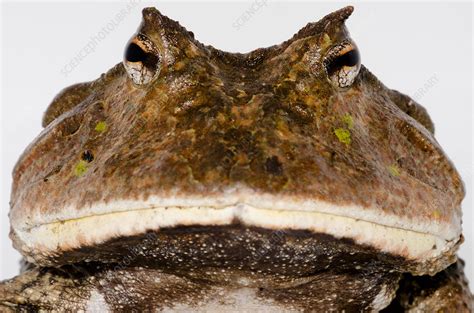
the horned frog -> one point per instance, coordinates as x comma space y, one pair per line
191, 179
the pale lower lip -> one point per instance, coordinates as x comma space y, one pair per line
57, 237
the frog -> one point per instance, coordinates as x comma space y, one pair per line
186, 178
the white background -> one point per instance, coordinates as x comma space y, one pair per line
424, 50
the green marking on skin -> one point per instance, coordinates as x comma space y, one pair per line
394, 170
347, 119
101, 127
80, 168
344, 135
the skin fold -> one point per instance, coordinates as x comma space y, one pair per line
447, 291
285, 179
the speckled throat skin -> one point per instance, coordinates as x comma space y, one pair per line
95, 287
233, 148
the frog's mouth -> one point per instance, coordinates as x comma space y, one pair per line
131, 218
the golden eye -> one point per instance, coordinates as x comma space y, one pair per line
141, 60
342, 64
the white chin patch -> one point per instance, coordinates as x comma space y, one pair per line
96, 303
239, 300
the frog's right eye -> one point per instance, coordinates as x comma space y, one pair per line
342, 64
141, 60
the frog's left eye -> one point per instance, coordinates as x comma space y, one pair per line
141, 60
342, 64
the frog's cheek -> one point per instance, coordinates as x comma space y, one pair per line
66, 100
413, 109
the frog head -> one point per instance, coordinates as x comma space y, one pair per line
295, 137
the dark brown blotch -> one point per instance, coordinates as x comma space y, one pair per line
274, 166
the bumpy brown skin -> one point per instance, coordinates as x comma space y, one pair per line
265, 120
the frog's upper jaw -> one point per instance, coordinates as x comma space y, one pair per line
103, 222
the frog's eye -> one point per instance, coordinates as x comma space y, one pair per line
141, 60
342, 64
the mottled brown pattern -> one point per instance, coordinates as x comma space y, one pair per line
268, 122
213, 120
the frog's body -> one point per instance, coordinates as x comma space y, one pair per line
287, 178
122, 288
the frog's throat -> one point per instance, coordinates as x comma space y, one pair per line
129, 218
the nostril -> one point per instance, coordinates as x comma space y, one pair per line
87, 156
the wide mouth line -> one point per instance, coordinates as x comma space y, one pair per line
113, 222
239, 205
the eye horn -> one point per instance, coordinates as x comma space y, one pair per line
342, 64
141, 60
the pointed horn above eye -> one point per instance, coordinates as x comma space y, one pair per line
341, 15
151, 14
329, 23
155, 22
336, 19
